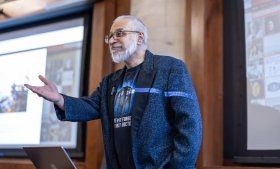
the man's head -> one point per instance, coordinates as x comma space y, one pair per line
128, 35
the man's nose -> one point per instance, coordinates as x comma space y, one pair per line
112, 40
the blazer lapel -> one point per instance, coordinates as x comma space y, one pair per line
113, 84
144, 80
112, 89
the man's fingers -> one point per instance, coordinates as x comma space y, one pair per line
34, 89
28, 86
43, 79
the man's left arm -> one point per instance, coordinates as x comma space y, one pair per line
187, 125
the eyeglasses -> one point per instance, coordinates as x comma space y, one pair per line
117, 34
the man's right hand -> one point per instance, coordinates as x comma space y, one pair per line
48, 91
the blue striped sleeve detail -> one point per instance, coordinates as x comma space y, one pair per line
147, 90
166, 94
177, 93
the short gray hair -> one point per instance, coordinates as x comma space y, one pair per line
137, 24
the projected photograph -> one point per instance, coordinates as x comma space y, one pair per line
273, 102
14, 72
255, 69
262, 25
61, 69
272, 87
272, 67
272, 24
55, 51
15, 100
17, 104
256, 89
254, 28
255, 50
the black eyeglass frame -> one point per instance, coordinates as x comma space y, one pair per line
118, 34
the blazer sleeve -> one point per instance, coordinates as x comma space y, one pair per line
187, 125
80, 109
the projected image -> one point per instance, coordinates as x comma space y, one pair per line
272, 88
255, 28
256, 89
272, 67
14, 72
272, 24
262, 26
255, 50
255, 69
61, 69
54, 51
15, 101
17, 104
274, 102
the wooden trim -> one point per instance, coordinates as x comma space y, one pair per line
122, 8
94, 152
100, 64
188, 33
206, 70
196, 60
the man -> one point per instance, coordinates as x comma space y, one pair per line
149, 111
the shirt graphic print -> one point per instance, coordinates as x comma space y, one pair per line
123, 103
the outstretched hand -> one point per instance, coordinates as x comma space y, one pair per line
48, 91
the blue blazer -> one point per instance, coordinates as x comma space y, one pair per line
166, 122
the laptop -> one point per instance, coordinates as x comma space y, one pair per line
49, 157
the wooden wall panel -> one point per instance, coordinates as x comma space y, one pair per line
188, 42
205, 64
214, 88
122, 8
101, 64
165, 20
206, 68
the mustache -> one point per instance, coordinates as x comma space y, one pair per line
121, 56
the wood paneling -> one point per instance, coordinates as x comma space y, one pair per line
122, 8
205, 64
188, 42
165, 20
100, 64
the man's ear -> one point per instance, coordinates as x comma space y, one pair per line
140, 40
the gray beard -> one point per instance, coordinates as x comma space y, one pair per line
120, 57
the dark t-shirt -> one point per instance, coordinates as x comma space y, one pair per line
122, 118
